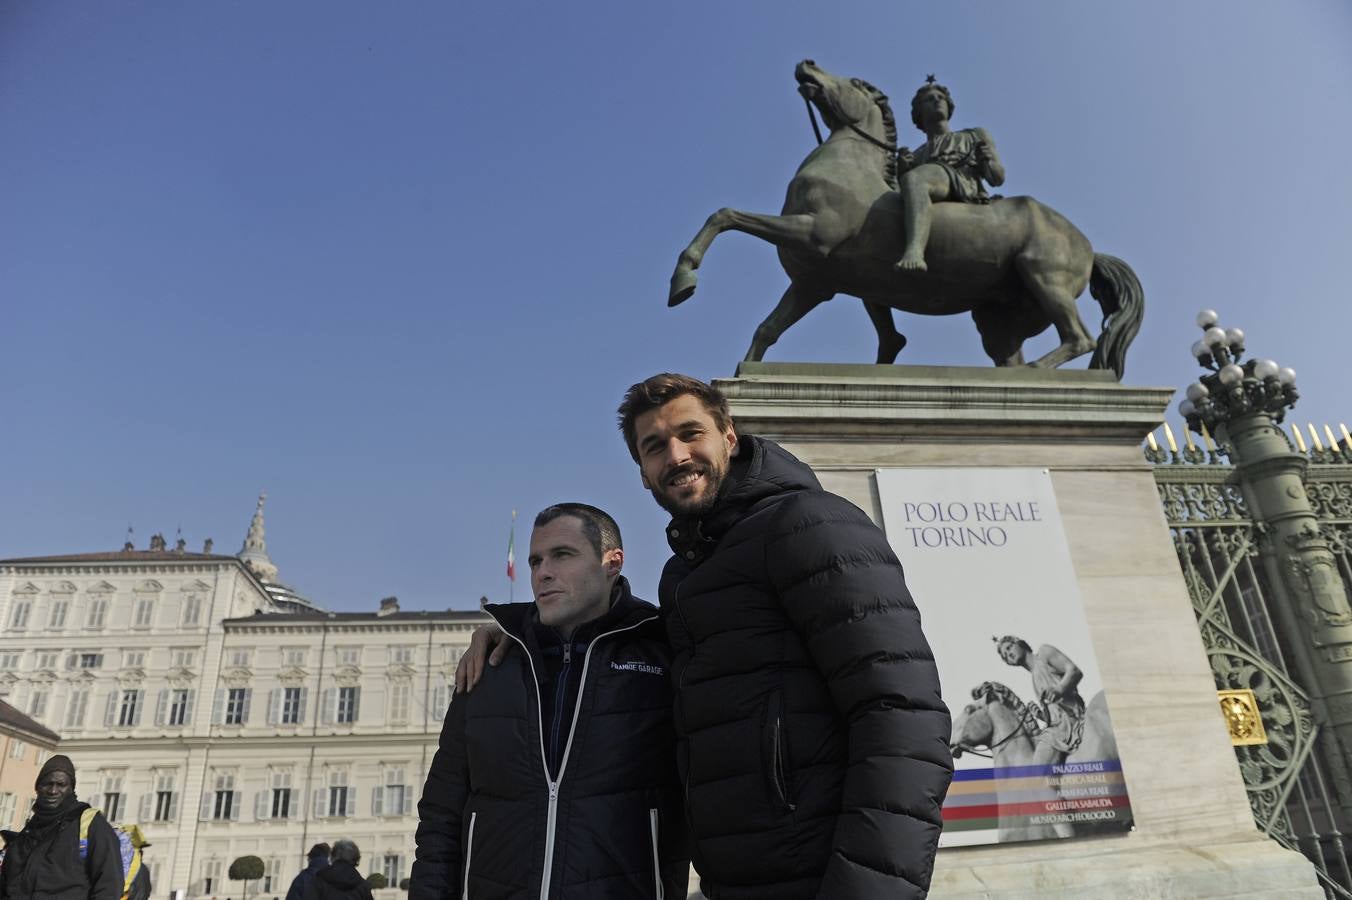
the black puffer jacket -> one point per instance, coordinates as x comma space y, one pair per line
813, 740
338, 881
48, 866
610, 826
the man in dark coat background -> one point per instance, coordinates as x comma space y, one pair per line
339, 880
43, 861
317, 859
813, 739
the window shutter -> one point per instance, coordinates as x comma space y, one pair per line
187, 708
94, 801
161, 704
377, 801
300, 715
140, 703
110, 711
244, 713
328, 706
146, 808
261, 808
236, 801
439, 703
205, 814
319, 803
173, 807
407, 805
356, 705
218, 707
274, 706
350, 801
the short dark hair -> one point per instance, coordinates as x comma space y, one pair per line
659, 390
320, 849
597, 524
915, 101
346, 851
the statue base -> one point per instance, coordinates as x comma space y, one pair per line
1194, 835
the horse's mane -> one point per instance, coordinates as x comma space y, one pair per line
994, 691
889, 131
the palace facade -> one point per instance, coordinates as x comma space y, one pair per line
225, 713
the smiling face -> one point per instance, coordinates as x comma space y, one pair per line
683, 455
571, 581
53, 789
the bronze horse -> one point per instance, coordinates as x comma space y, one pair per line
1015, 264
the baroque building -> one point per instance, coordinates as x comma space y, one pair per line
24, 746
222, 711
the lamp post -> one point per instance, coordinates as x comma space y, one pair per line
1241, 403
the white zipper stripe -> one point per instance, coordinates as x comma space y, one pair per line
657, 861
469, 851
551, 822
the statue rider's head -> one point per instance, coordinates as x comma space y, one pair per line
1013, 650
931, 89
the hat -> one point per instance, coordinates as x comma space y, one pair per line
58, 763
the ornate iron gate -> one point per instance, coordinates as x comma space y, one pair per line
1294, 767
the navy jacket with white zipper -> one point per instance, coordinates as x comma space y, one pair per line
607, 823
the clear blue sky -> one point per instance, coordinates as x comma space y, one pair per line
396, 263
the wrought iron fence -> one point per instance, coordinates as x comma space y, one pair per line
1297, 780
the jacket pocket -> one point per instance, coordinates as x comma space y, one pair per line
777, 754
657, 857
469, 852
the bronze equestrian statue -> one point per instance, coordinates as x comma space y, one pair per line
1015, 264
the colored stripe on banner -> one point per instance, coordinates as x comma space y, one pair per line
1082, 768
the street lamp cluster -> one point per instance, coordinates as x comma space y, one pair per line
1233, 388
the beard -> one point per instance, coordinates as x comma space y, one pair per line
697, 507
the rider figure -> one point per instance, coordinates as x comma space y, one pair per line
1055, 679
950, 165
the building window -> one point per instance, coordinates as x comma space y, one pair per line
144, 615
239, 659
56, 619
180, 706
349, 656
97, 615
47, 659
393, 797
280, 799
272, 874
295, 656
392, 865
192, 610
183, 658
348, 700
91, 661
400, 694
211, 875
134, 659
8, 804
402, 654
9, 662
18, 619
37, 703
237, 706
225, 799
339, 796
166, 801
76, 707
111, 801
129, 708
17, 749
293, 705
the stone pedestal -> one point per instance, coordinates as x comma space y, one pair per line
1195, 835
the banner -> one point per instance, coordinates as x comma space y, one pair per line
986, 559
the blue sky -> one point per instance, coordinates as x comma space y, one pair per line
397, 263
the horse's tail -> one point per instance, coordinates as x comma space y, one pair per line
1117, 289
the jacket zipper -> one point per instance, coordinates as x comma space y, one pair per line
552, 820
469, 850
560, 691
657, 859
777, 773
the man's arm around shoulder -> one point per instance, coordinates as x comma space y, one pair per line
438, 857
842, 587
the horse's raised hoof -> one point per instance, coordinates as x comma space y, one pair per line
682, 286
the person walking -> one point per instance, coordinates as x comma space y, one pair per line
45, 861
340, 880
317, 860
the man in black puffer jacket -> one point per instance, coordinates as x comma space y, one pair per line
813, 739
556, 778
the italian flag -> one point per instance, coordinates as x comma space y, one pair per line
511, 550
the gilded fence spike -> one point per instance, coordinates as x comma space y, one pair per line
1333, 441
1346, 437
1314, 438
1300, 441
1169, 436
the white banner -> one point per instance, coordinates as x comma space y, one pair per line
986, 559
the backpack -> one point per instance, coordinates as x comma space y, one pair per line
129, 849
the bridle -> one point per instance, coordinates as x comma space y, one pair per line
1022, 729
894, 152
